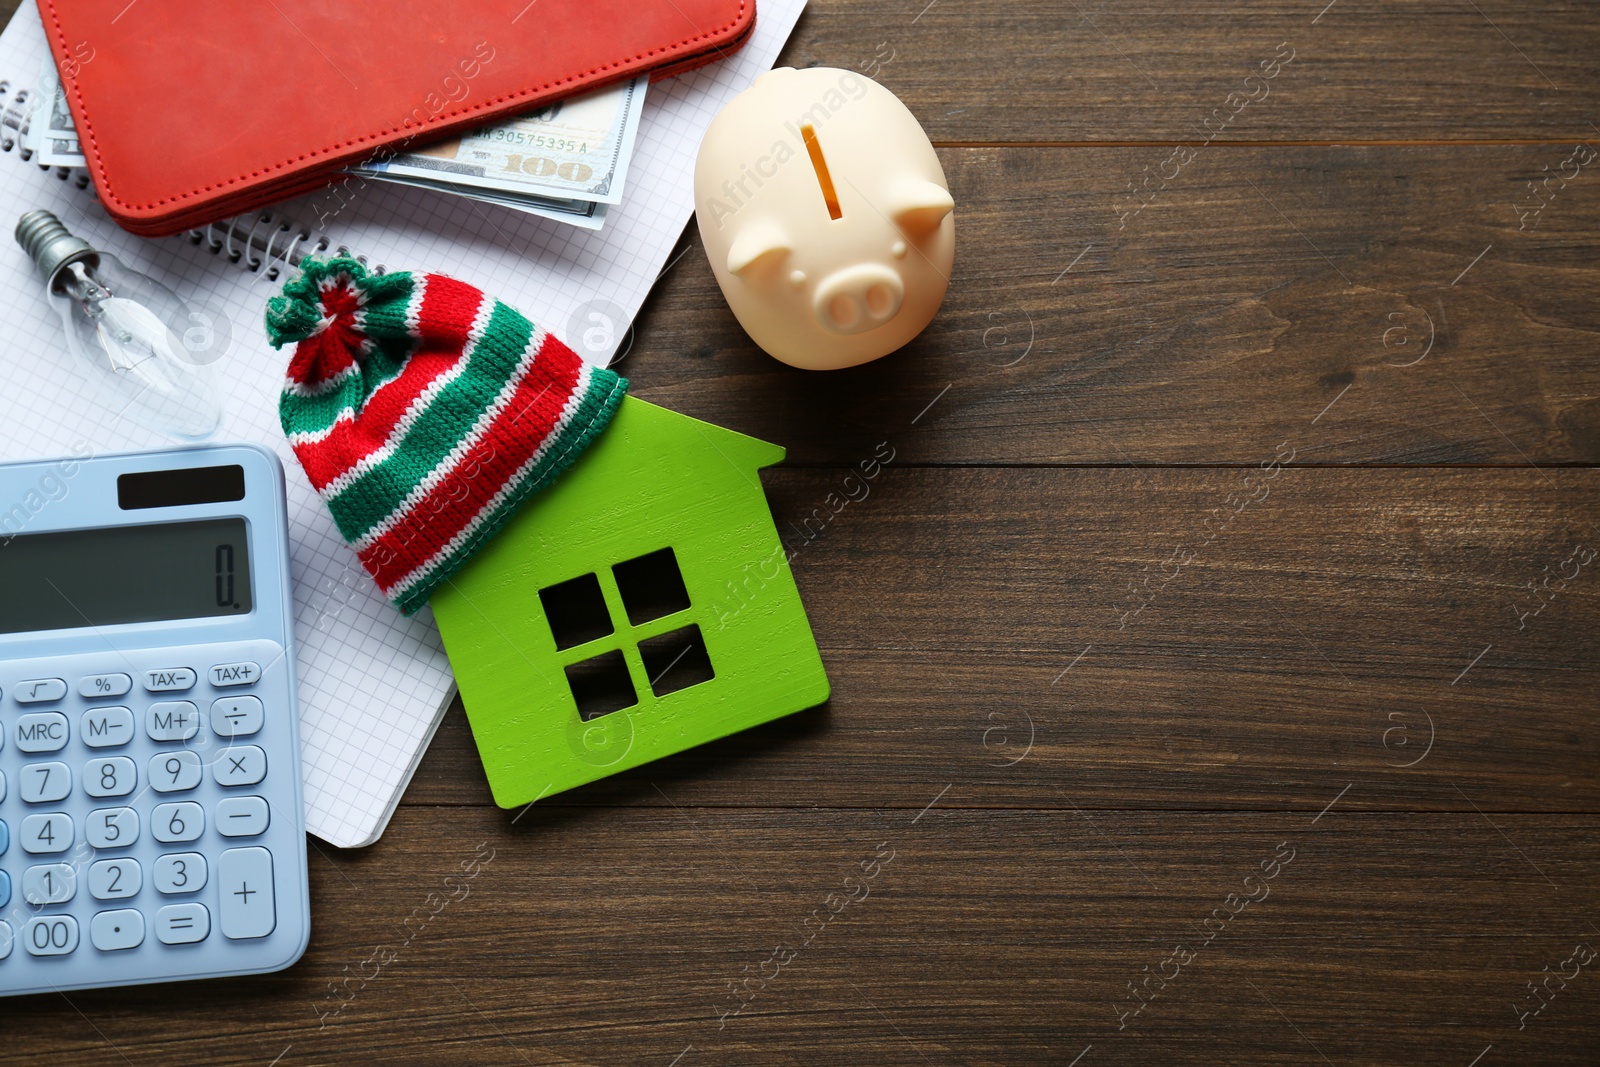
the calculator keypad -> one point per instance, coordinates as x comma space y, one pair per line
146, 810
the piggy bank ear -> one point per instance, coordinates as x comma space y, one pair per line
760, 242
918, 205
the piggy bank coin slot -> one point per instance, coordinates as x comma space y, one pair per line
819, 163
676, 660
601, 685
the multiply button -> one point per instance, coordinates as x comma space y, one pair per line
172, 720
245, 893
106, 727
104, 685
236, 716
40, 690
244, 673
42, 732
166, 680
245, 765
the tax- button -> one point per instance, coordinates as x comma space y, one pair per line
42, 732
245, 893
172, 720
166, 680
40, 690
236, 716
244, 765
243, 673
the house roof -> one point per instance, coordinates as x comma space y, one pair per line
646, 424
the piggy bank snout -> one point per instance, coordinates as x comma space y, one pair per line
859, 298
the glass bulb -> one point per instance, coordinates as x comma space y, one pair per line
127, 330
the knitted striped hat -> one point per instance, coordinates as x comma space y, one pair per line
425, 412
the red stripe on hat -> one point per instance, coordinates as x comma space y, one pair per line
449, 308
510, 441
323, 356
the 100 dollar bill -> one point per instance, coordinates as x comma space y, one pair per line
575, 149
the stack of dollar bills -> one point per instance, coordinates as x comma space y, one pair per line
567, 161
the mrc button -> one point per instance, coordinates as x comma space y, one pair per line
169, 680
45, 732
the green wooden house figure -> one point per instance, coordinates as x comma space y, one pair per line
639, 606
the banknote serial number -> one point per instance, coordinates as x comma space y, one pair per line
522, 139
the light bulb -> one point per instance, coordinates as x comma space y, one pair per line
126, 329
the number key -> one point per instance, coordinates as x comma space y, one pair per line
114, 777
112, 827
181, 872
114, 879
177, 822
49, 883
173, 772
39, 783
42, 834
50, 935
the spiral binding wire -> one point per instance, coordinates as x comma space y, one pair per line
265, 243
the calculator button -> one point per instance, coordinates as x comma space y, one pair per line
242, 817
181, 872
168, 680
182, 924
42, 834
5, 833
5, 939
245, 765
114, 879
236, 716
104, 685
50, 883
172, 720
244, 673
50, 935
5, 889
112, 931
113, 777
39, 783
2, 797
106, 727
111, 827
177, 822
45, 732
173, 772
245, 893
40, 690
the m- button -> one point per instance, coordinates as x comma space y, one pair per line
245, 673
169, 680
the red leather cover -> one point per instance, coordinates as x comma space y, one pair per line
191, 111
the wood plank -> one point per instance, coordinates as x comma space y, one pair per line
989, 937
1270, 294
1309, 644
1155, 69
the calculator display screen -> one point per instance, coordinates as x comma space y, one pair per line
124, 574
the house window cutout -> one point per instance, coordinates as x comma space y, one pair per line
676, 660
601, 685
651, 586
576, 611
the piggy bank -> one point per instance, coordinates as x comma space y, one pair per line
826, 216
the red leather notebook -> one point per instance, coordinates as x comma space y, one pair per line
191, 111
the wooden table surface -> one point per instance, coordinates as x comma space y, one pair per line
1214, 666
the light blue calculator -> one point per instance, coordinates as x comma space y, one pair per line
151, 827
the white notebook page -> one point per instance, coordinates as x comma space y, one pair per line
373, 684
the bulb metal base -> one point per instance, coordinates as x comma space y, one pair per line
50, 244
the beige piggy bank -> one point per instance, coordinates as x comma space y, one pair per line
826, 217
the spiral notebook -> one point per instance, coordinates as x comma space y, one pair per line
373, 684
